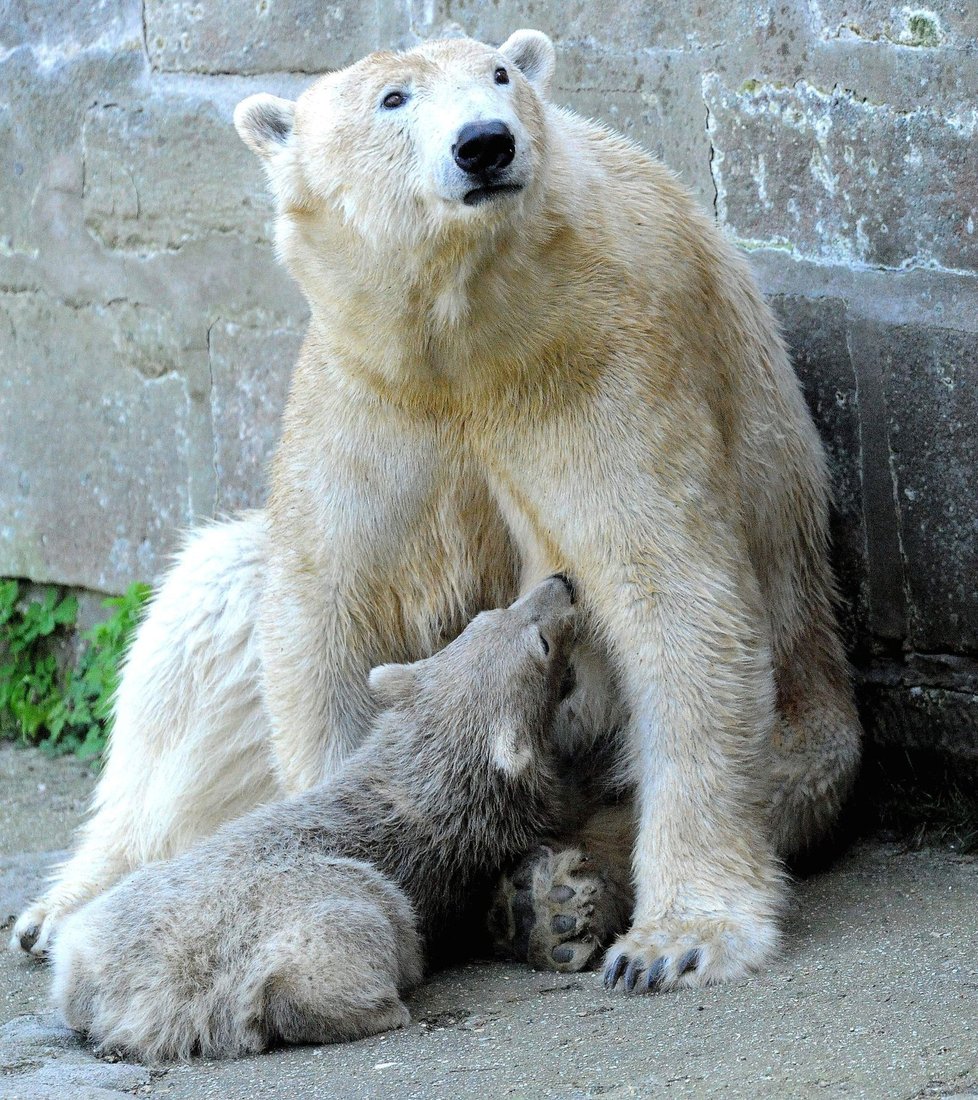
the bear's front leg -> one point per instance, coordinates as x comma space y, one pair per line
696, 669
382, 547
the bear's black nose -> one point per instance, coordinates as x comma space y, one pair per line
484, 147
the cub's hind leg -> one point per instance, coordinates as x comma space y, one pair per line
340, 975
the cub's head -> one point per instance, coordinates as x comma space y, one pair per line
400, 145
492, 695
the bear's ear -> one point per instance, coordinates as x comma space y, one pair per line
264, 123
511, 752
533, 54
393, 685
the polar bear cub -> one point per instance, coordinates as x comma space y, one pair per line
305, 920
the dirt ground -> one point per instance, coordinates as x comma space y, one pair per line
875, 995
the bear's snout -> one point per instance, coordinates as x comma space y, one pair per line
484, 147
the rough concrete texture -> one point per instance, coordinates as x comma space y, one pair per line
148, 332
875, 995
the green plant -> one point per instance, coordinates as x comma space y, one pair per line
61, 706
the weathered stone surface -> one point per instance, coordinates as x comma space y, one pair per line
830, 177
250, 368
169, 169
946, 22
918, 716
615, 27
100, 24
653, 97
256, 36
97, 462
816, 333
928, 383
41, 113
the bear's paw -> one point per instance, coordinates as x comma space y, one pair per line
555, 911
677, 952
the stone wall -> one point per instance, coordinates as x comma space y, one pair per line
146, 332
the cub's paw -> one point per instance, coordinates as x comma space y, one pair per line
34, 929
555, 911
675, 952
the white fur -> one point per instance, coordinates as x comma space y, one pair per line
189, 747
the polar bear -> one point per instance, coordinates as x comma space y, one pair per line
305, 920
528, 352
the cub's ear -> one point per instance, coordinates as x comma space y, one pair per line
533, 54
511, 752
264, 123
393, 685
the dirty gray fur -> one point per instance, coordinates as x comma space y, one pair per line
304, 921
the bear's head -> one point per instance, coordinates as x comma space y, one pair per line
403, 149
493, 693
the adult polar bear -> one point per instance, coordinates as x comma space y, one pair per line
528, 352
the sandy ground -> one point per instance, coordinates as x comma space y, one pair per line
875, 995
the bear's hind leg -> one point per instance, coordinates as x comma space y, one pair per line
817, 746
189, 748
564, 903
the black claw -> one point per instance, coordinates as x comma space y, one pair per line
631, 975
615, 971
562, 953
561, 893
689, 961
563, 922
656, 975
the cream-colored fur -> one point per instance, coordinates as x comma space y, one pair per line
579, 375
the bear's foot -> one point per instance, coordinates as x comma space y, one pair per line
33, 931
556, 910
674, 953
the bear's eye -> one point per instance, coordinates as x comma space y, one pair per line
546, 645
501, 76
393, 99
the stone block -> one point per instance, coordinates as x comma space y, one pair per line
42, 109
834, 178
920, 717
816, 332
167, 169
68, 28
653, 97
250, 369
260, 36
637, 24
100, 465
928, 384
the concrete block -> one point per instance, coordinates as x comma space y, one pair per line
928, 383
99, 464
827, 176
260, 36
250, 368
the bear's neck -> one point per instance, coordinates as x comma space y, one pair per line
462, 319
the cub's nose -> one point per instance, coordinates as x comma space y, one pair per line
484, 147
